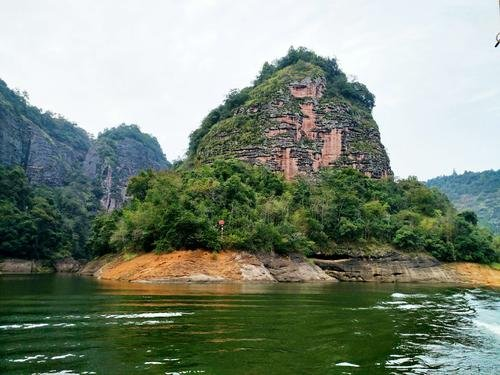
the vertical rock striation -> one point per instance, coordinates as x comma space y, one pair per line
297, 121
117, 155
55, 152
48, 147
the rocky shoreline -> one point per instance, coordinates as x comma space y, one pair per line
205, 266
236, 266
391, 267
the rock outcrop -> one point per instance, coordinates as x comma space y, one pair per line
55, 152
48, 147
231, 266
297, 121
117, 155
205, 266
22, 266
67, 265
394, 267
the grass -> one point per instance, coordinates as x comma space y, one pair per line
495, 266
129, 255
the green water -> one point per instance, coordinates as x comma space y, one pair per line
75, 325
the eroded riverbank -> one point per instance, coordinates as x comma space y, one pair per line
236, 266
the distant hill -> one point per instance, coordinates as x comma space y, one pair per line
476, 191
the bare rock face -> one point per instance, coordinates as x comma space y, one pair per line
22, 266
117, 155
293, 269
49, 148
56, 152
297, 126
390, 268
67, 265
205, 266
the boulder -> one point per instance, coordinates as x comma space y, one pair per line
293, 269
68, 265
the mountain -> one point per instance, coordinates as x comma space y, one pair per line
55, 178
118, 154
48, 147
476, 191
55, 152
300, 114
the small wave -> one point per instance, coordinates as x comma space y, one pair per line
403, 295
492, 327
409, 306
63, 356
27, 358
414, 334
346, 364
24, 326
35, 325
398, 295
143, 315
153, 363
398, 361
146, 322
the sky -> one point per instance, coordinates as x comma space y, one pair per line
165, 64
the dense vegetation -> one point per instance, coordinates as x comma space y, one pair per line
475, 191
51, 220
110, 138
42, 222
340, 210
298, 63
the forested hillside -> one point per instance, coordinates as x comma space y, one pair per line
54, 178
342, 211
476, 191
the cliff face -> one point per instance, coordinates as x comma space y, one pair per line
49, 148
300, 118
117, 155
55, 152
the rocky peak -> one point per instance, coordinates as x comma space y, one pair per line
303, 116
56, 152
47, 146
118, 154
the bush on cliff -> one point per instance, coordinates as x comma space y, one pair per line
263, 212
297, 64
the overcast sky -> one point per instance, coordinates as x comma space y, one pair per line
164, 64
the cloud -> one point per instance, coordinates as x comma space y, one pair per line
165, 64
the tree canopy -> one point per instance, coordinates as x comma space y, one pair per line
42, 222
475, 191
338, 211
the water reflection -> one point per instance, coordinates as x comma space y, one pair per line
78, 325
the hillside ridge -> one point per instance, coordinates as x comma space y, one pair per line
55, 152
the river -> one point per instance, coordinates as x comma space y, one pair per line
76, 325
